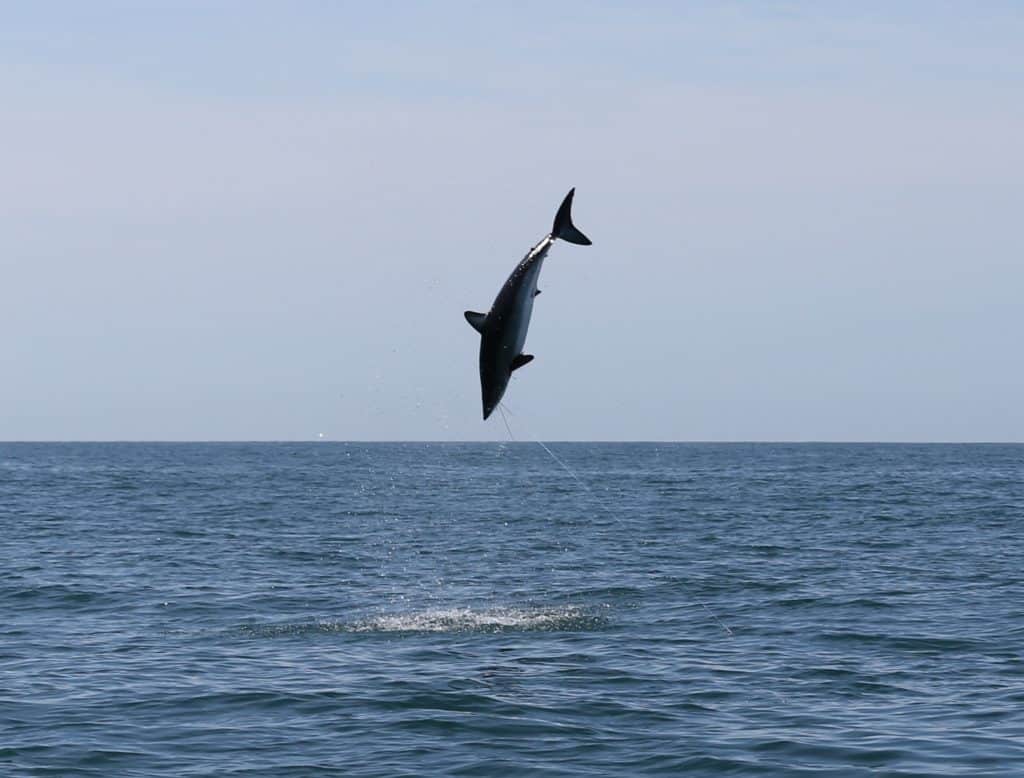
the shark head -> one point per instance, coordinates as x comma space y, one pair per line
492, 388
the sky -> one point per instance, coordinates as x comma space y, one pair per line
263, 221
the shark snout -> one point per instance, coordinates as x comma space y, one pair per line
492, 394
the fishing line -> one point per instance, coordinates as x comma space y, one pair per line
581, 482
569, 470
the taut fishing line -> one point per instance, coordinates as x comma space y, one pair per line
581, 482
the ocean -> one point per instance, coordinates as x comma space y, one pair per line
488, 609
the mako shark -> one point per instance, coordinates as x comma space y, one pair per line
503, 328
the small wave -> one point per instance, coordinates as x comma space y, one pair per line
911, 643
566, 618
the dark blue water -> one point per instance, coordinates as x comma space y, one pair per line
474, 609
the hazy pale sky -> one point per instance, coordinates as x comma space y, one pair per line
251, 220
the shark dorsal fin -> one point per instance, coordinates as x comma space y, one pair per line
476, 320
522, 359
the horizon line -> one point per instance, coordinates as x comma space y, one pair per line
282, 441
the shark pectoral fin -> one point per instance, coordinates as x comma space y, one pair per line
476, 320
522, 359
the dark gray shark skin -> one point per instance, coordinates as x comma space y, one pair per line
503, 328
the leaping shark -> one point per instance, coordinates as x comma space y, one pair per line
503, 328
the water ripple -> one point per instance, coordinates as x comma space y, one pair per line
468, 609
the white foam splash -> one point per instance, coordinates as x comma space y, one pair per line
568, 617
565, 618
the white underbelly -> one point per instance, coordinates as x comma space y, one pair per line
522, 324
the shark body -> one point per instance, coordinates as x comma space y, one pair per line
503, 328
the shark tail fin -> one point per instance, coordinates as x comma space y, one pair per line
564, 228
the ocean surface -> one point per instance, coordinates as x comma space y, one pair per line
496, 609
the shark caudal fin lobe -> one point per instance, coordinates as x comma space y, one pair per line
564, 228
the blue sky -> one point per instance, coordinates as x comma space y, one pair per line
263, 221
